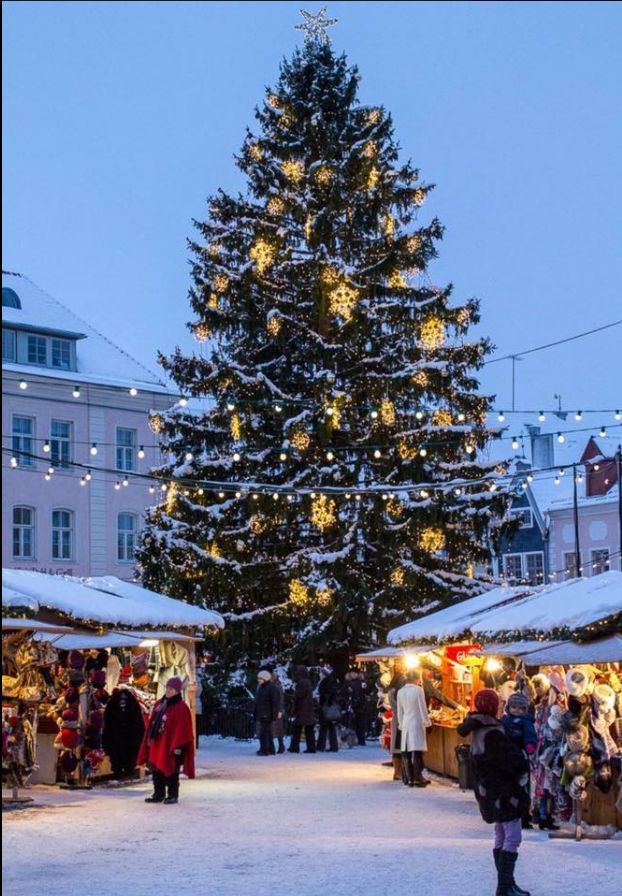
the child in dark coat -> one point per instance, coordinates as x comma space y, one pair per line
501, 771
520, 727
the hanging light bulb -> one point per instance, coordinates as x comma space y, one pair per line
385, 497
457, 491
283, 455
312, 495
290, 498
126, 482
561, 438
76, 391
423, 451
141, 452
46, 446
200, 492
93, 449
501, 417
189, 456
47, 477
329, 455
529, 477
579, 477
236, 456
88, 475
23, 384
163, 487
151, 489
419, 415
377, 453
238, 494
275, 497
133, 391
579, 415
470, 449
357, 497
514, 442
562, 472
183, 401
117, 485
618, 415
424, 493
374, 414
278, 407
461, 417
493, 486
50, 470
255, 496
556, 480
541, 416
524, 484
603, 432
82, 480
221, 495
596, 468
13, 462
230, 406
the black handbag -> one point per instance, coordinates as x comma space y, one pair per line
331, 712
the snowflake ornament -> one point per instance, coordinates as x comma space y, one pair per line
315, 26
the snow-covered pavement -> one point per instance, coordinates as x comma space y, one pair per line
305, 825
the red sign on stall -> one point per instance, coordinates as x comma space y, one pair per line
458, 653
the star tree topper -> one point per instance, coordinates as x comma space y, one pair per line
315, 26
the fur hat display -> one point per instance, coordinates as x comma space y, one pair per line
577, 764
605, 697
541, 681
487, 702
554, 720
577, 682
556, 681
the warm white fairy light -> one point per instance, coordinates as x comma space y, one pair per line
93, 449
579, 415
501, 417
88, 475
126, 482
236, 456
46, 447
541, 416
133, 391
23, 384
117, 485
141, 452
561, 438
14, 462
189, 456
76, 391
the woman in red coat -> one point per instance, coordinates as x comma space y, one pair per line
168, 744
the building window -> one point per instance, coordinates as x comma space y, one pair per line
600, 561
23, 533
534, 568
37, 350
524, 515
126, 537
23, 440
513, 565
62, 534
126, 449
61, 354
60, 443
10, 299
8, 345
570, 565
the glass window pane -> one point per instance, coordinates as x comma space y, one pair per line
61, 354
8, 345
37, 350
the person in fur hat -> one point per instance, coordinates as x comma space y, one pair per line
501, 771
168, 744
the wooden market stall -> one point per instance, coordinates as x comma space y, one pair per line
92, 621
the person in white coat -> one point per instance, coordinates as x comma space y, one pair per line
412, 718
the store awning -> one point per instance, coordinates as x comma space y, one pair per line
15, 600
76, 640
387, 652
10, 624
571, 653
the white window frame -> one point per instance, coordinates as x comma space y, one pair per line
60, 345
57, 443
9, 340
40, 339
570, 569
520, 512
19, 439
21, 528
126, 454
606, 566
506, 557
63, 547
126, 537
539, 580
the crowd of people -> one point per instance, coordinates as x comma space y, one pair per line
337, 708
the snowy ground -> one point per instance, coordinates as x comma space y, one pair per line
305, 825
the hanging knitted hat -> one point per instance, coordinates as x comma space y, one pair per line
576, 682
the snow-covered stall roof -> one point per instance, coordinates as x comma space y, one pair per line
452, 622
571, 653
15, 600
521, 613
76, 640
382, 653
33, 625
135, 607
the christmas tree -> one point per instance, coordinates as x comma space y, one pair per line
333, 487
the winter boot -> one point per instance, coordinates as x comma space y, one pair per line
548, 824
507, 886
397, 768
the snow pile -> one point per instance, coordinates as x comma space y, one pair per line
130, 605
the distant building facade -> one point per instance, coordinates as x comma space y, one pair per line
70, 396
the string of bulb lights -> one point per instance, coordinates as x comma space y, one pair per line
76, 391
520, 480
552, 574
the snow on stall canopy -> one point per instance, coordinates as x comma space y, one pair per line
569, 653
42, 629
75, 640
126, 590
574, 605
15, 600
387, 652
452, 621
139, 607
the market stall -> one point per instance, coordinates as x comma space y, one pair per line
571, 630
91, 684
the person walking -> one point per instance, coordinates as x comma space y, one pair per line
266, 712
501, 771
168, 744
329, 711
358, 694
278, 726
304, 712
412, 718
398, 681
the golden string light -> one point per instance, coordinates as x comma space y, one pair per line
413, 243
257, 524
156, 423
442, 417
235, 427
220, 282
373, 116
397, 576
397, 280
323, 514
214, 550
421, 378
342, 300
273, 326
370, 150
298, 593
418, 197
388, 225
395, 507
201, 331
293, 170
300, 440
275, 205
373, 178
214, 250
432, 333
333, 413
213, 300
273, 101
309, 227
324, 597
432, 539
387, 412
255, 152
406, 451
323, 176
263, 254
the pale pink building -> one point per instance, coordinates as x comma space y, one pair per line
76, 402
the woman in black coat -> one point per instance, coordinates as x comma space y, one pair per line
304, 712
327, 693
500, 770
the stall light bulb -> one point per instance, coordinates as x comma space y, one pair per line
183, 401
230, 406
189, 456
329, 455
541, 416
493, 486
492, 664
347, 496
290, 498
412, 661
221, 495
556, 480
529, 477
88, 476
50, 470
76, 391
282, 456
596, 468
377, 453
579, 415
457, 491
47, 477
470, 449
255, 496
46, 446
133, 391
151, 489
163, 487
501, 417
357, 497
82, 480
278, 407
618, 415
514, 442
461, 417
141, 452
200, 492
13, 461
275, 497
93, 449
561, 438
236, 456
423, 451
117, 486
374, 414
23, 384
126, 482
603, 432
419, 415
562, 471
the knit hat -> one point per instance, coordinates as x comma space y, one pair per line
175, 683
518, 701
605, 697
264, 675
576, 682
487, 702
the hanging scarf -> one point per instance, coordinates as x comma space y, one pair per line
158, 719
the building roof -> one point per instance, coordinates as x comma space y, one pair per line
99, 360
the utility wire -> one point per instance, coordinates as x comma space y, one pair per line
540, 348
